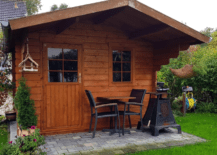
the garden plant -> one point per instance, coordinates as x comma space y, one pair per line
3, 133
25, 106
25, 145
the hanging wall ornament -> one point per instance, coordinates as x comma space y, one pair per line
185, 72
33, 65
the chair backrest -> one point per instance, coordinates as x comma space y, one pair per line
90, 98
139, 94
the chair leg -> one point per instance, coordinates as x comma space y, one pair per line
91, 120
119, 123
129, 117
129, 121
95, 126
141, 118
124, 119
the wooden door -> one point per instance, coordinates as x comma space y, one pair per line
62, 87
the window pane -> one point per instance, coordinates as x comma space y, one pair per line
126, 66
55, 65
71, 54
126, 56
126, 76
70, 65
116, 56
54, 53
117, 77
116, 66
70, 76
55, 76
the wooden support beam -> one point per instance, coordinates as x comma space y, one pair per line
148, 31
106, 15
64, 24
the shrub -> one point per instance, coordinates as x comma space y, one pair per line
6, 85
11, 149
25, 145
25, 106
2, 118
204, 107
205, 65
176, 106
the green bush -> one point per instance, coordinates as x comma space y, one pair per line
11, 149
176, 106
204, 107
25, 145
2, 118
25, 106
205, 66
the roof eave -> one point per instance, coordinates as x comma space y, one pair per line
171, 22
66, 13
103, 6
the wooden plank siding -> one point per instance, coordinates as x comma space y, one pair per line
95, 41
34, 79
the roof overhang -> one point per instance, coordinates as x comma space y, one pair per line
136, 19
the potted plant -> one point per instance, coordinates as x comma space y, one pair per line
25, 108
10, 114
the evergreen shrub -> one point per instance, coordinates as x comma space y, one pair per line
25, 106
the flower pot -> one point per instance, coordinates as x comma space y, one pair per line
185, 72
10, 115
25, 132
32, 131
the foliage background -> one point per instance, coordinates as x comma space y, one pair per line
55, 7
204, 60
33, 6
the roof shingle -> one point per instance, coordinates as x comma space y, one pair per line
8, 10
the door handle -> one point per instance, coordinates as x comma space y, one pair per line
79, 77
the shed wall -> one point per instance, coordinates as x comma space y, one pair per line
96, 41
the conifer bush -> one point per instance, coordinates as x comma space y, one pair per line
25, 106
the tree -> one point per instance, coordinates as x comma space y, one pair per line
63, 6
33, 6
55, 7
1, 34
208, 31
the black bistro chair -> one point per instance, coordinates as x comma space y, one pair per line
95, 106
138, 101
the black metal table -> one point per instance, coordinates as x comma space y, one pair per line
159, 114
112, 100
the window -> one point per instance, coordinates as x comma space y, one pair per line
121, 66
62, 65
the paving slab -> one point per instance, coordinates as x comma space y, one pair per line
104, 144
13, 130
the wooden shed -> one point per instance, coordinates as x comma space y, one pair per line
108, 48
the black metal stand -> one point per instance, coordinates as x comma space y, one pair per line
159, 115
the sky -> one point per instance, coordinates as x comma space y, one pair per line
197, 14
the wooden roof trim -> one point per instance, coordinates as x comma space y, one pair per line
103, 6
171, 22
66, 13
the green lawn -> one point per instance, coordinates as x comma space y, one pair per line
202, 125
3, 135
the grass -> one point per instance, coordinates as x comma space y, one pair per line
201, 125
3, 135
